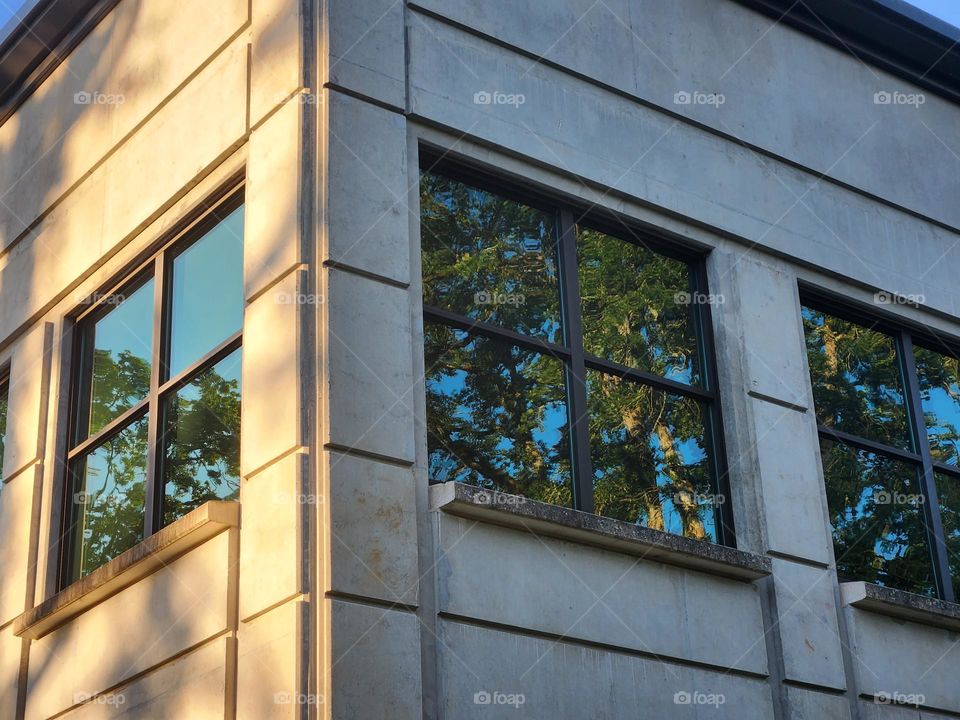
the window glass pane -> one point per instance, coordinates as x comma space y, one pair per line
122, 350
651, 465
496, 416
939, 377
489, 258
857, 386
207, 293
876, 511
637, 307
109, 498
202, 436
948, 491
4, 398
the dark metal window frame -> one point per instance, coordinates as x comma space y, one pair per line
568, 214
904, 339
158, 267
4, 390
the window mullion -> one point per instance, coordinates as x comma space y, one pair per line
576, 368
152, 500
928, 485
706, 345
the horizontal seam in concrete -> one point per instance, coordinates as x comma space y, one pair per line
366, 454
458, 137
143, 673
166, 207
275, 109
297, 266
293, 597
20, 471
777, 401
295, 450
799, 560
676, 116
133, 678
816, 688
371, 601
595, 645
931, 708
353, 270
123, 141
364, 98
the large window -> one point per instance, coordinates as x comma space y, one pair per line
155, 421
888, 406
567, 360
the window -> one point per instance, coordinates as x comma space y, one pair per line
888, 407
155, 422
567, 360
4, 400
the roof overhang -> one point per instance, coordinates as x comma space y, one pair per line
891, 34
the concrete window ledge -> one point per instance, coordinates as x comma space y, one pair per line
901, 604
141, 560
544, 519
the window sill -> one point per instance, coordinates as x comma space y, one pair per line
559, 522
138, 562
901, 604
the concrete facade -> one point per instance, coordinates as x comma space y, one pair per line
344, 593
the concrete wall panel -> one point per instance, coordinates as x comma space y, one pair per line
167, 613
513, 578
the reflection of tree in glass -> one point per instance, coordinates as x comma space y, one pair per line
948, 491
4, 394
202, 459
856, 379
636, 308
117, 385
876, 514
939, 377
110, 499
648, 459
496, 416
489, 258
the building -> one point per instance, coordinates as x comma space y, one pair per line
364, 359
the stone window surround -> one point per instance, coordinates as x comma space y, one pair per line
569, 212
904, 335
189, 228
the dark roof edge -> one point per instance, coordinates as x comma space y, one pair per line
890, 34
37, 44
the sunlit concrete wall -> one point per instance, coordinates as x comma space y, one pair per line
155, 111
717, 126
342, 591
